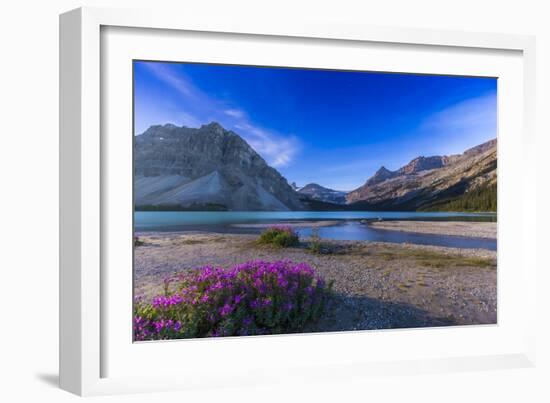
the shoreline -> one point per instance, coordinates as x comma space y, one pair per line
471, 229
377, 285
456, 234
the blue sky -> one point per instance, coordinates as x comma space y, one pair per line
335, 128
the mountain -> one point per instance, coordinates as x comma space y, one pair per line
460, 182
210, 168
422, 164
206, 168
320, 193
416, 165
380, 176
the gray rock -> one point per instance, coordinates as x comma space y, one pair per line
190, 167
318, 192
426, 181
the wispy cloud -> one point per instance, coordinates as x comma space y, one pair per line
450, 130
277, 149
186, 119
280, 149
176, 81
235, 113
463, 124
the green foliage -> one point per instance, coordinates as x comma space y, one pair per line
318, 205
138, 242
282, 236
251, 298
315, 244
479, 199
177, 207
435, 259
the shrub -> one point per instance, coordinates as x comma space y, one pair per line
279, 235
251, 298
315, 244
138, 242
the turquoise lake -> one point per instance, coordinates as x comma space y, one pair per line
348, 224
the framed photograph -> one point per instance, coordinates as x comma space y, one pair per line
247, 202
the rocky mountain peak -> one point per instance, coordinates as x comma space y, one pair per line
214, 127
313, 186
481, 148
429, 181
174, 157
422, 164
321, 193
380, 176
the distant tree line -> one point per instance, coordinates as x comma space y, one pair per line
177, 207
479, 199
483, 198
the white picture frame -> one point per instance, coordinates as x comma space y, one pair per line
84, 177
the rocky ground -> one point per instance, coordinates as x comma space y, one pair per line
376, 285
457, 228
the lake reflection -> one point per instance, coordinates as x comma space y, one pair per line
347, 226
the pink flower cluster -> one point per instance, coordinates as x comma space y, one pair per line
255, 297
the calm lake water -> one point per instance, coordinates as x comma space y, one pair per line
348, 226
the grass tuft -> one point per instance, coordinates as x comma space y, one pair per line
280, 236
435, 259
138, 242
315, 245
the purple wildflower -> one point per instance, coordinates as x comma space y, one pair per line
209, 301
226, 310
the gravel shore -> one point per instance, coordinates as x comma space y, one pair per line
457, 228
376, 285
292, 224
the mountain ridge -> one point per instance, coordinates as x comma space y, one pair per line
212, 168
429, 181
189, 167
324, 194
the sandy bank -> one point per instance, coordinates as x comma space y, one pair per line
377, 285
468, 229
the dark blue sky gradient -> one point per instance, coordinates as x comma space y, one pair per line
334, 128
